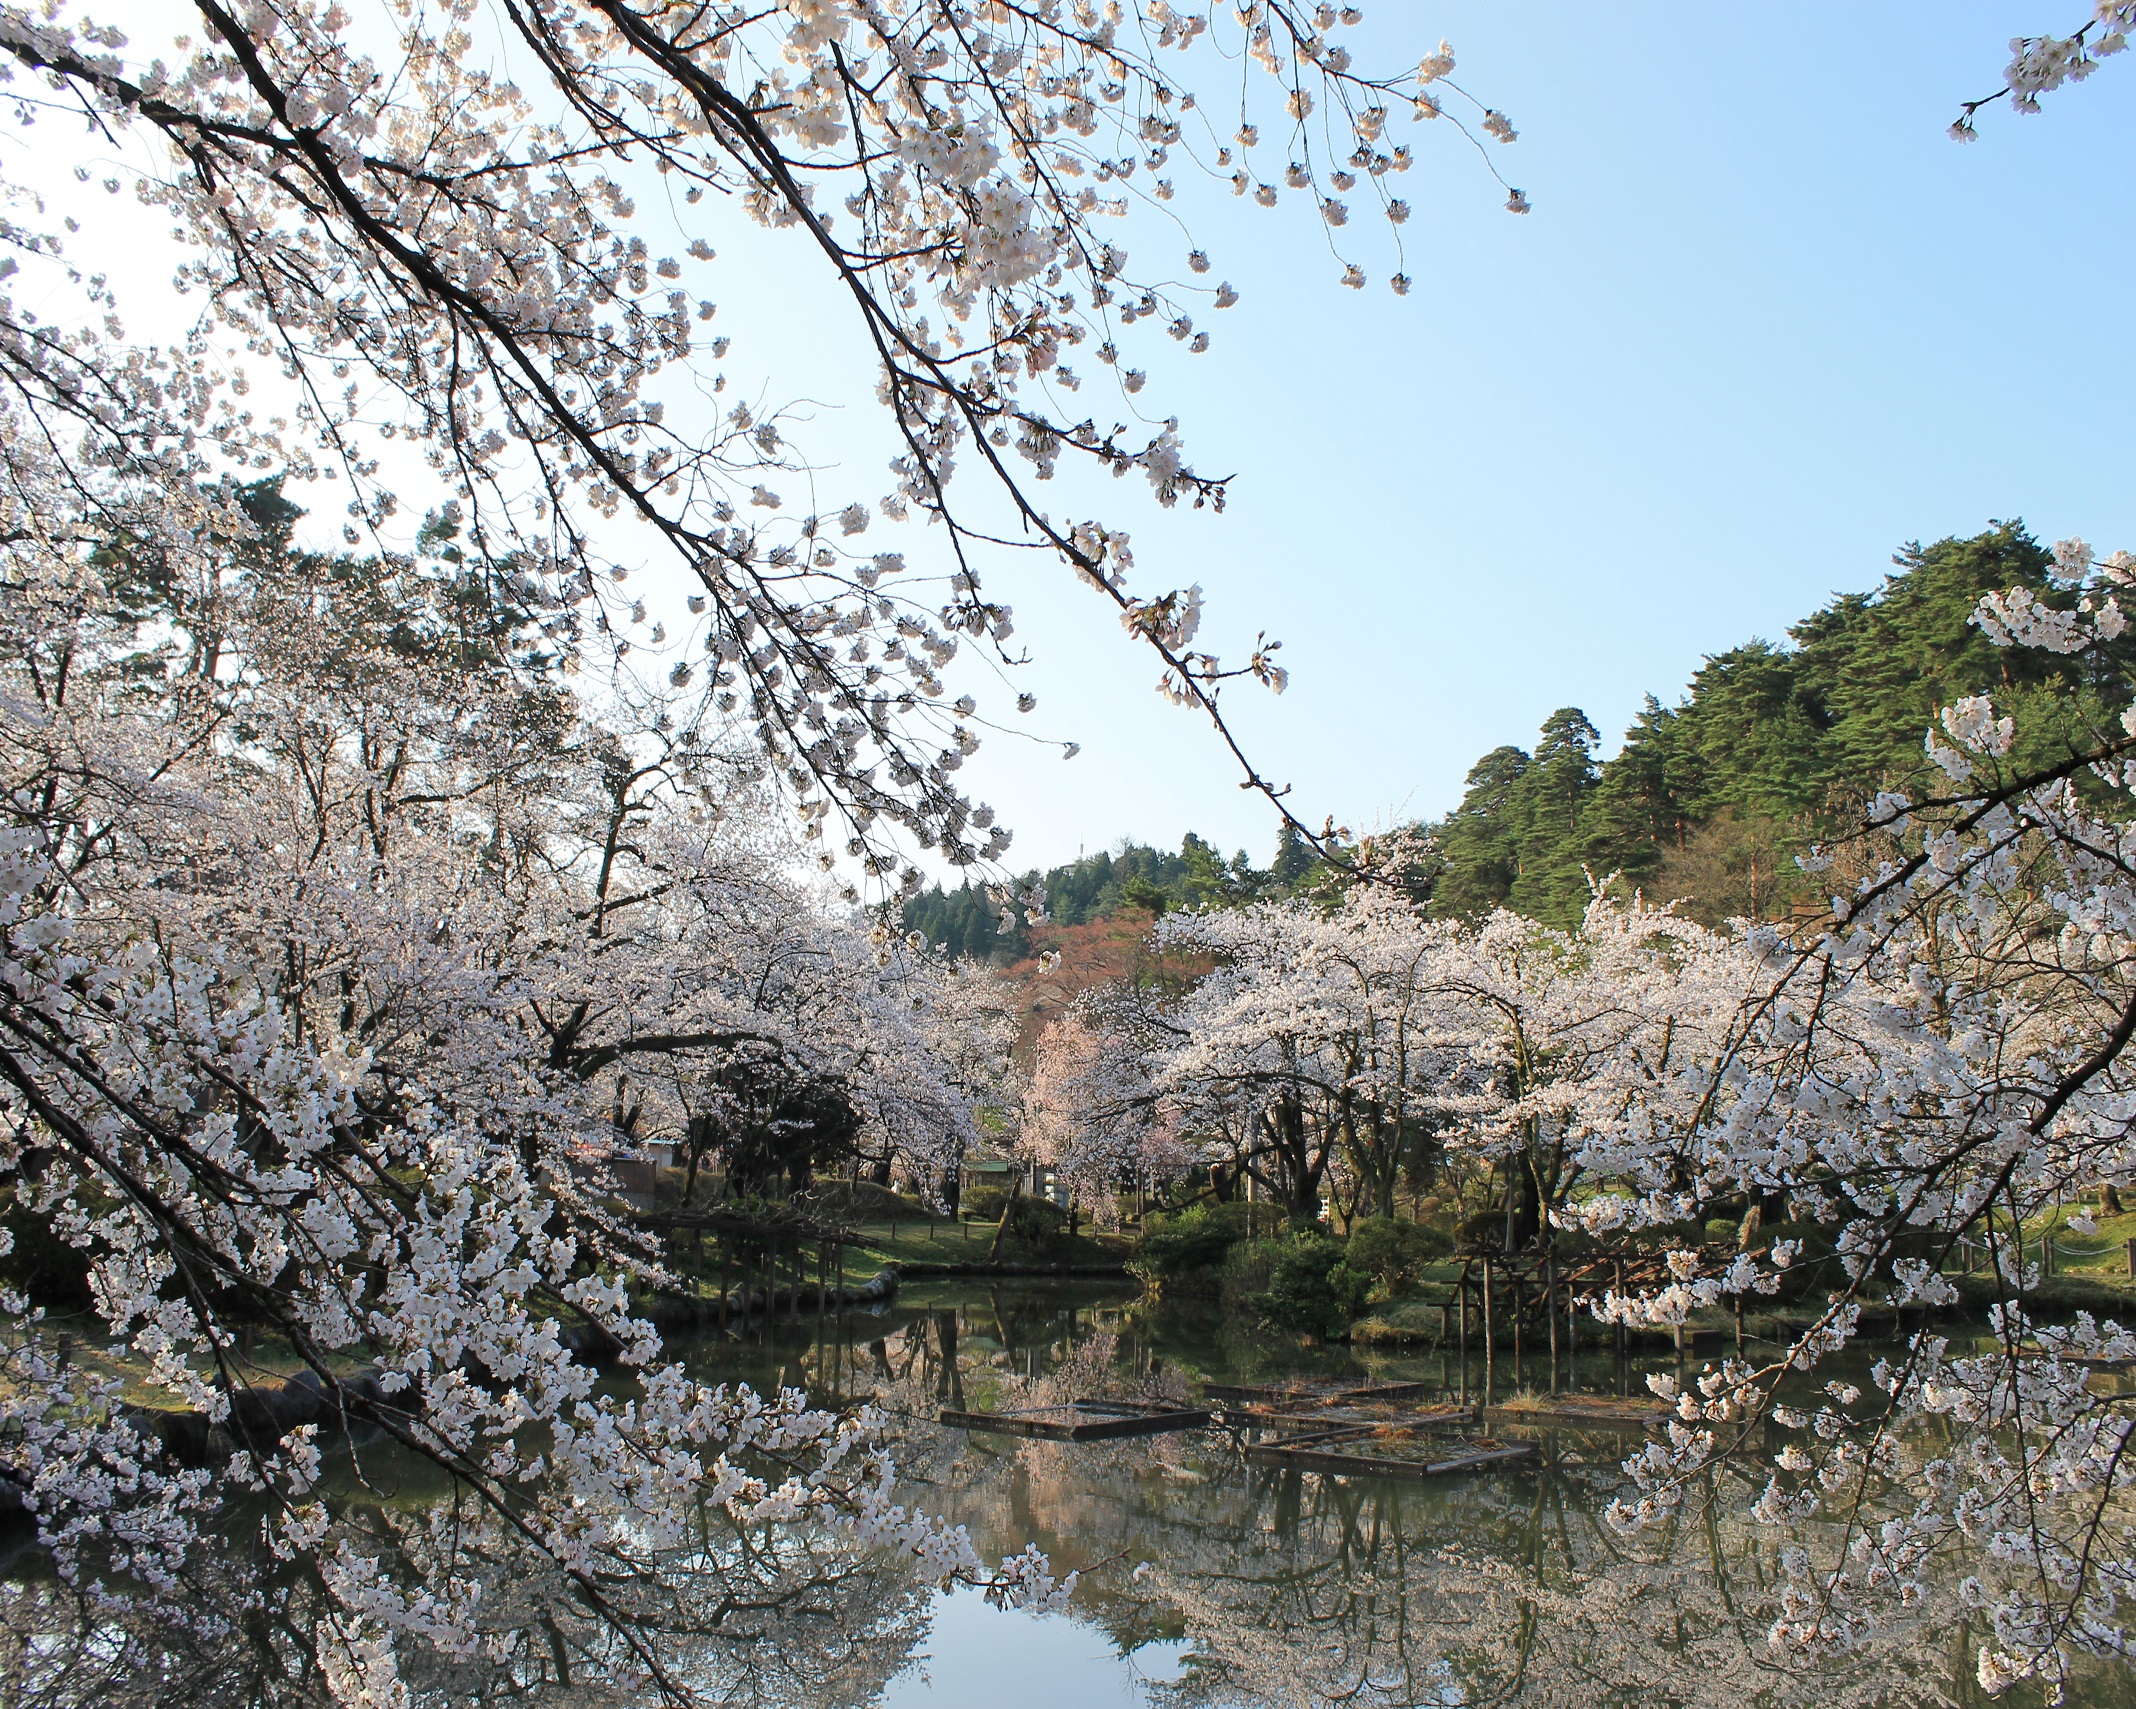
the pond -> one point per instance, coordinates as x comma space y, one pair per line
1211, 1578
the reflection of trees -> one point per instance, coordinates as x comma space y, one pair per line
1293, 1591
792, 1617
794, 1620
1298, 1590
1494, 1590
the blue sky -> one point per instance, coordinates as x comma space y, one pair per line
1765, 324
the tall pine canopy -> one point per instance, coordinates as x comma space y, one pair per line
1772, 747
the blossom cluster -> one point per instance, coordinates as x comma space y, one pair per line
341, 950
2039, 65
516, 279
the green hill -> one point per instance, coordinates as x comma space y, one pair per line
1772, 747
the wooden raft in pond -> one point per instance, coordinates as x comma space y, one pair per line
1324, 1389
1366, 1453
1596, 1411
1368, 1414
1083, 1420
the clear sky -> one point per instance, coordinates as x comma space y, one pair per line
1765, 325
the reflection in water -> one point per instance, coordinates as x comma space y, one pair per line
1209, 1581
977, 1657
769, 1619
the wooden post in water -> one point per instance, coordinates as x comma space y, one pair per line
1461, 1287
823, 1260
1550, 1310
1490, 1339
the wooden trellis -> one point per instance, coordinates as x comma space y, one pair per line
783, 1239
1510, 1287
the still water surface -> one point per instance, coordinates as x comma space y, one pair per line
1209, 1581
1213, 1582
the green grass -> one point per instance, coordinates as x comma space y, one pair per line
2100, 1257
923, 1239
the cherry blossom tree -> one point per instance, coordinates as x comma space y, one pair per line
1090, 1111
339, 940
1584, 1046
432, 223
333, 975
1326, 1027
1945, 1058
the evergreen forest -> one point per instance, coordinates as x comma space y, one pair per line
1774, 746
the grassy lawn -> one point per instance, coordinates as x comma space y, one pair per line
2100, 1257
922, 1239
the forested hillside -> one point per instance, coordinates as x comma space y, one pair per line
967, 922
1773, 746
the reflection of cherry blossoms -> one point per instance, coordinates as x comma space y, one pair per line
1295, 1590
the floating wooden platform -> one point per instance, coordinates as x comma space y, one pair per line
1321, 1389
1363, 1453
1372, 1414
1083, 1420
2029, 1351
1600, 1412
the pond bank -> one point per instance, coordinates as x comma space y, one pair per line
1022, 1272
1417, 1321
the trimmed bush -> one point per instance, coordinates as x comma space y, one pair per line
1037, 1226
1194, 1243
1311, 1289
984, 1204
1392, 1252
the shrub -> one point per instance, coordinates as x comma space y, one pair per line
1247, 1269
1485, 1228
1037, 1225
1392, 1252
984, 1204
1193, 1243
1311, 1289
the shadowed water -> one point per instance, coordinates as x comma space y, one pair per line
1213, 1581
1208, 1580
